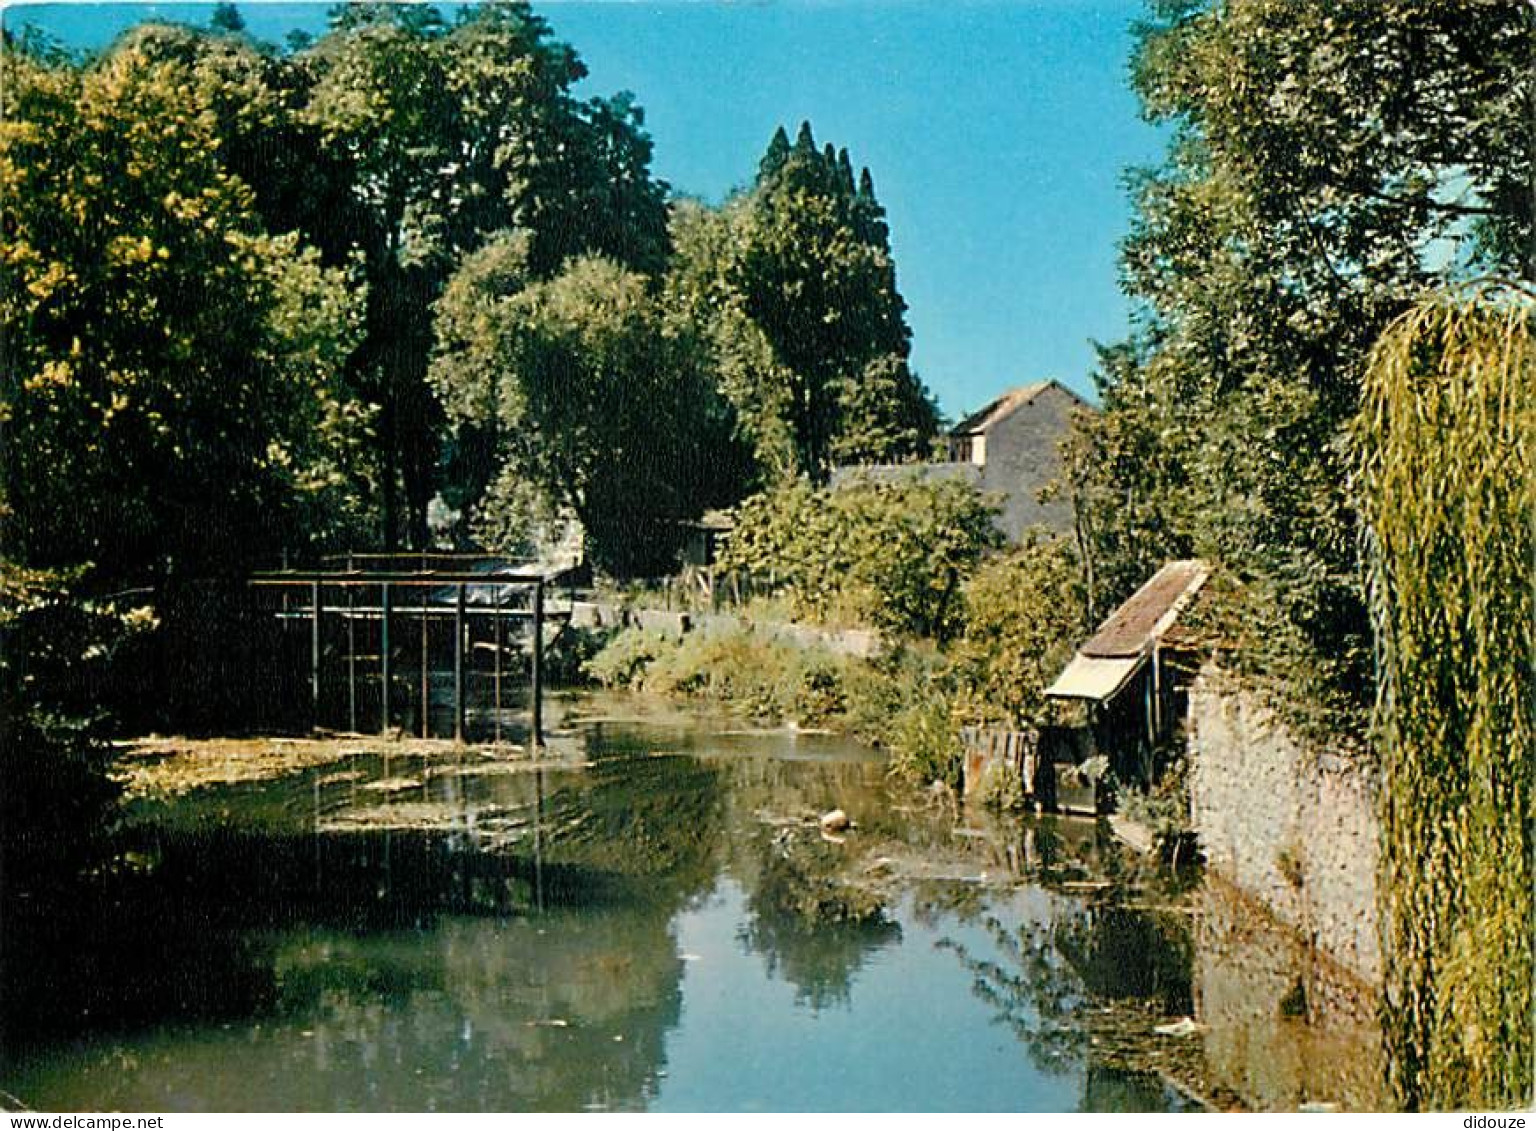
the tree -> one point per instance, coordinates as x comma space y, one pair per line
794, 287
894, 555
815, 274
1125, 474
226, 18
450, 134
1443, 449
1023, 612
592, 398
1325, 165
700, 298
170, 364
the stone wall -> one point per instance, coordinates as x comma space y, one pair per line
1285, 1026
1023, 455
1291, 827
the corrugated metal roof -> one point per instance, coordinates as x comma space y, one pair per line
1089, 677
1150, 611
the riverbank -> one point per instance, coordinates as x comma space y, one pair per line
1088, 954
896, 699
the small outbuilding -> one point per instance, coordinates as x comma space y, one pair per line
1010, 449
1121, 677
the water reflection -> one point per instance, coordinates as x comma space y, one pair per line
811, 927
650, 918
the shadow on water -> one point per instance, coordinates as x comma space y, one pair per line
445, 931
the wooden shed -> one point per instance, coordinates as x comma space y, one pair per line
1121, 677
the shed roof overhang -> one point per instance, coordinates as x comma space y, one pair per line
1094, 677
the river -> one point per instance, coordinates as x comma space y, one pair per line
648, 918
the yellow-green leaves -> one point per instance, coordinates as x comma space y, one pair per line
1446, 454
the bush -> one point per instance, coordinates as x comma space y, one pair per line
623, 660
57, 804
894, 555
1024, 611
1001, 788
755, 673
923, 745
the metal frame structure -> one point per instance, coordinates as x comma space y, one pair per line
388, 584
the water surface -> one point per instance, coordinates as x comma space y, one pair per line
651, 920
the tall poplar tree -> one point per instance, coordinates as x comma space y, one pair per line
801, 285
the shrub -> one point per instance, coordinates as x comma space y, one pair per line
753, 672
893, 555
1001, 788
624, 659
1023, 613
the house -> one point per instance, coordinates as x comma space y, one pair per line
1122, 676
1011, 449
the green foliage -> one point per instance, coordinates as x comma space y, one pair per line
446, 136
894, 555
594, 400
168, 361
1444, 444
923, 741
624, 660
701, 297
1024, 612
795, 283
1001, 788
1163, 808
515, 517
901, 701
56, 798
756, 673
1325, 164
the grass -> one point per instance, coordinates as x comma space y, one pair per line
898, 701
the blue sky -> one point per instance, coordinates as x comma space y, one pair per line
996, 130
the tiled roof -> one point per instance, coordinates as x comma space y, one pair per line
1148, 613
1005, 406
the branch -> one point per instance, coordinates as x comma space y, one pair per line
1430, 202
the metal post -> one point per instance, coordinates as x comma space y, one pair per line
314, 651
384, 658
351, 659
496, 613
538, 838
458, 664
351, 653
537, 736
426, 703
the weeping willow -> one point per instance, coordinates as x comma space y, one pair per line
1448, 497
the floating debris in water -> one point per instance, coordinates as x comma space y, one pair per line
392, 785
1183, 1027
